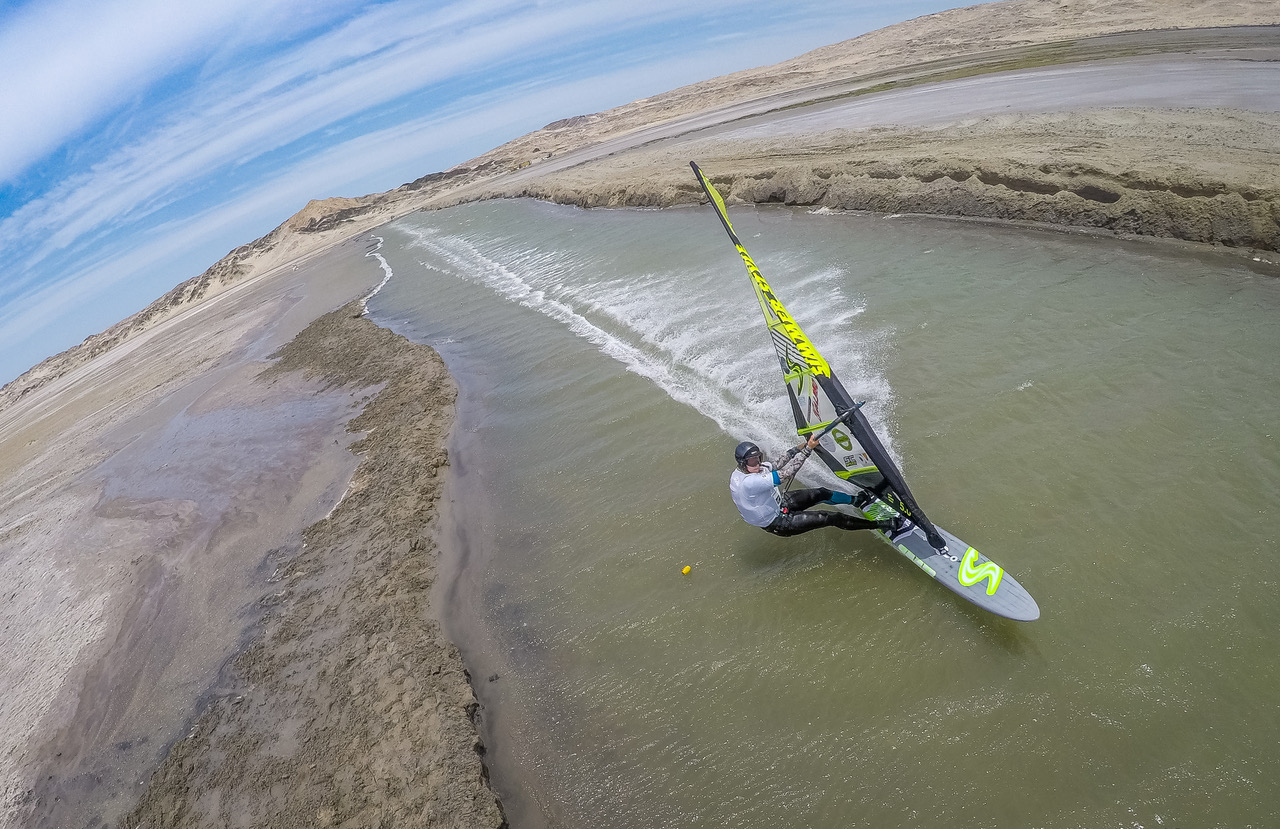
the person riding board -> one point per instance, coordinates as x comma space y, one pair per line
759, 491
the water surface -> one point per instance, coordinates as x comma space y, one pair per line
1098, 417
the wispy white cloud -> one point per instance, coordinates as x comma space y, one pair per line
297, 94
69, 62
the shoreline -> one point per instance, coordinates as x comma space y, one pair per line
1027, 168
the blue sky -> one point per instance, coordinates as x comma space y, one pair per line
141, 140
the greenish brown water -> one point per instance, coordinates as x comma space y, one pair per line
1098, 417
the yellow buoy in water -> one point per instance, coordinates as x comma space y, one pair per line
686, 569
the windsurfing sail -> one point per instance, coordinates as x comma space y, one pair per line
847, 444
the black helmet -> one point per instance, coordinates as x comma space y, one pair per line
745, 450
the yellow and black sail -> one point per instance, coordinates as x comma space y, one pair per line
847, 445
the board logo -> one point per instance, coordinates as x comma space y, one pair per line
842, 440
971, 572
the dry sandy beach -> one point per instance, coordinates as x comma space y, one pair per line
231, 497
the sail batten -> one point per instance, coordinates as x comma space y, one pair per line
851, 449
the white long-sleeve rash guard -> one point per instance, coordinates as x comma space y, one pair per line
756, 494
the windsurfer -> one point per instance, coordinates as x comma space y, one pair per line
759, 491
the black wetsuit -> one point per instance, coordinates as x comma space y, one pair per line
795, 518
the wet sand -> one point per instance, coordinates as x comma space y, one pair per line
243, 634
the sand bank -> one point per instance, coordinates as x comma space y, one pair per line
1111, 170
350, 708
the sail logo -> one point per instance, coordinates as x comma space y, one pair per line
842, 440
971, 572
789, 326
858, 462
